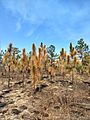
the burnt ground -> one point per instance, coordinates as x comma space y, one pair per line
54, 99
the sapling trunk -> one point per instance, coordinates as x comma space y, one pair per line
72, 76
4, 72
9, 78
63, 74
34, 78
23, 78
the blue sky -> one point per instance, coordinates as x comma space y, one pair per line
56, 22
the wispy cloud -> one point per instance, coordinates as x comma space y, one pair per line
38, 10
62, 18
30, 33
18, 26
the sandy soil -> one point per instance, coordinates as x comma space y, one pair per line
54, 99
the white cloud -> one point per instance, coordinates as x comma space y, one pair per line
30, 33
18, 26
36, 11
62, 18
